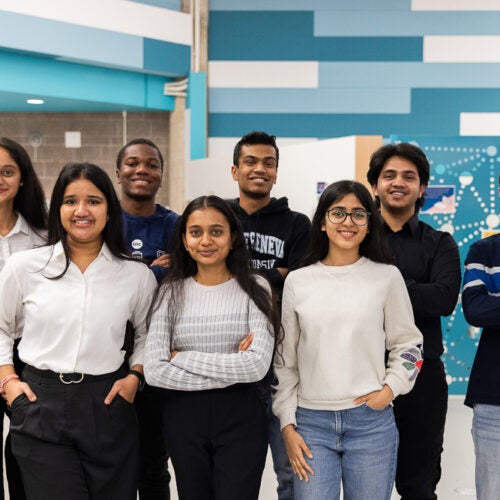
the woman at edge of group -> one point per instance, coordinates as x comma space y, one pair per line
74, 429
341, 312
211, 338
23, 225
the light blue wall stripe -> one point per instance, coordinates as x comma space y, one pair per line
371, 23
33, 75
70, 41
367, 100
165, 4
276, 5
407, 74
197, 103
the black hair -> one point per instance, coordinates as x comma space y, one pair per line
133, 142
407, 151
182, 266
252, 138
372, 247
30, 198
112, 233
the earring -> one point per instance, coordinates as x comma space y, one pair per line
21, 184
107, 218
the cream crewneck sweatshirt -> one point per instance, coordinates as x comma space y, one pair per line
338, 323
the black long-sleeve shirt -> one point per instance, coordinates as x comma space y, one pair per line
430, 264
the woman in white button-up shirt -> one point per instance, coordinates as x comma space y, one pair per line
74, 429
23, 225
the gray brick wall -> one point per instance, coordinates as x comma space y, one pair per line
101, 136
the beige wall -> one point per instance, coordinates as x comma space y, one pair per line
101, 137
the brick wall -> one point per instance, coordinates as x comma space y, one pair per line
101, 137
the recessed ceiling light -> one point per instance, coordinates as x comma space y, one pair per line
35, 101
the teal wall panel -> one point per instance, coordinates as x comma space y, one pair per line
471, 165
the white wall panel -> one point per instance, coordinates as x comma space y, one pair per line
468, 49
466, 5
263, 74
480, 124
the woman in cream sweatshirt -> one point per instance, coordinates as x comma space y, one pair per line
342, 312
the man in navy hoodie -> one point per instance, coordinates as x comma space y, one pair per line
481, 304
277, 239
148, 229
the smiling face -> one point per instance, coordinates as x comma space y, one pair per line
140, 172
83, 212
10, 178
398, 186
256, 171
208, 238
344, 238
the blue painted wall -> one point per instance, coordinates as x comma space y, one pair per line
372, 75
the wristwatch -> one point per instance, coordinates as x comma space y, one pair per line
140, 376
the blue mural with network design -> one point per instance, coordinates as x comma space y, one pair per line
462, 198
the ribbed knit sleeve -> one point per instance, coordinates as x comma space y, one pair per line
213, 322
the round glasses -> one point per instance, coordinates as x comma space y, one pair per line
358, 217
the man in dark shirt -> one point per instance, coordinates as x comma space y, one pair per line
148, 228
481, 304
430, 264
277, 238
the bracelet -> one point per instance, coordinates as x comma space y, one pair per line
6, 379
140, 376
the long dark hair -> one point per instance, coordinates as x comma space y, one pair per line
373, 246
238, 263
112, 233
30, 199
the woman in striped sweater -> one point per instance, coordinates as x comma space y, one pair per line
211, 338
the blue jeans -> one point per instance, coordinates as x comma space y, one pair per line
356, 447
486, 437
281, 464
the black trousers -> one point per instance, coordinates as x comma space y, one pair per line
154, 477
420, 418
70, 445
217, 441
14, 478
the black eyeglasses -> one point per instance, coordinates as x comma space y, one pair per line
338, 215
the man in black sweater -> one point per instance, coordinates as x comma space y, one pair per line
277, 238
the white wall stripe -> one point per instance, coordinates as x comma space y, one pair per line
469, 49
121, 16
263, 74
487, 124
456, 5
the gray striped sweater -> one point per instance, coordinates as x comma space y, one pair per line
213, 321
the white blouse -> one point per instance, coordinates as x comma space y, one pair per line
21, 237
75, 323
